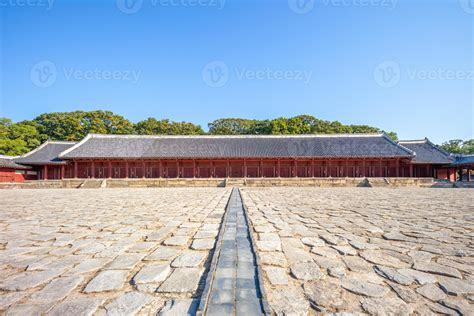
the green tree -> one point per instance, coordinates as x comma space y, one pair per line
17, 138
301, 124
73, 126
458, 146
232, 126
152, 126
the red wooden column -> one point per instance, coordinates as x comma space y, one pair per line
109, 169
468, 174
398, 168
160, 169
194, 168
278, 168
143, 169
411, 170
260, 169
92, 169
245, 168
295, 168
212, 169
363, 168
227, 169
312, 168
75, 169
346, 169
63, 171
45, 172
329, 168
126, 169
177, 168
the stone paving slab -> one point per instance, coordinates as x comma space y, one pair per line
371, 251
107, 251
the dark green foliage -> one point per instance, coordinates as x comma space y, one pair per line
19, 138
152, 126
458, 146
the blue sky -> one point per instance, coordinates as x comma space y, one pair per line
403, 66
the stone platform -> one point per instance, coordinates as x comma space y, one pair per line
224, 182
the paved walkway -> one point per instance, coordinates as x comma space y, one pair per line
234, 285
376, 251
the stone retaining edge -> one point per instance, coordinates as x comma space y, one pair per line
211, 182
266, 307
213, 266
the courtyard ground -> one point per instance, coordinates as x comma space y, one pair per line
377, 251
114, 251
322, 250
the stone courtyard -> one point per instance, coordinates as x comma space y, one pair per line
377, 251
371, 251
113, 251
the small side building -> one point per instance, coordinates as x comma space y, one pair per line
430, 160
463, 165
45, 162
11, 171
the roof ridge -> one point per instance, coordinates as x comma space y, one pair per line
61, 142
237, 136
437, 147
77, 144
408, 150
414, 141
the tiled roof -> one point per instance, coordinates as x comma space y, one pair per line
46, 154
427, 152
7, 162
323, 146
463, 160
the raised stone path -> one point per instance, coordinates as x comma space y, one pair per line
233, 285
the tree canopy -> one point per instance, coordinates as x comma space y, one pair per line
458, 146
301, 124
21, 137
152, 126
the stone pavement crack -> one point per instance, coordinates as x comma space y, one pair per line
233, 286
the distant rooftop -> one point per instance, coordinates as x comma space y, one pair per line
7, 162
46, 154
427, 152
